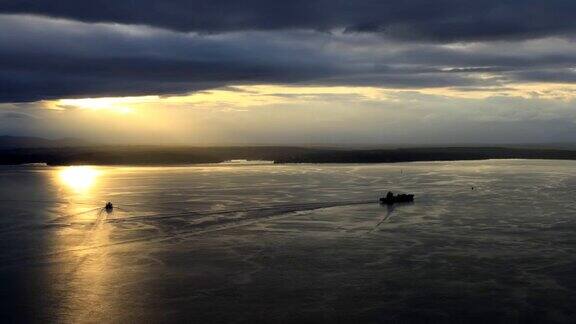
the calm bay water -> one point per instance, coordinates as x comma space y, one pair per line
289, 243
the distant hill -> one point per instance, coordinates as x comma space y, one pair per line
71, 151
7, 142
165, 155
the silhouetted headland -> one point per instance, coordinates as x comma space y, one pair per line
173, 155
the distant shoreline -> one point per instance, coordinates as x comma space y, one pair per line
157, 155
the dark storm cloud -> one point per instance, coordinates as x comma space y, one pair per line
46, 58
435, 20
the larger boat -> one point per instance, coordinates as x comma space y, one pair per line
390, 198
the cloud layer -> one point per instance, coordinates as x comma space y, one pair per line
45, 58
404, 71
438, 20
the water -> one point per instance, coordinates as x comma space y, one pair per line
289, 243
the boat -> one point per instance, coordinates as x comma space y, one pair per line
109, 207
390, 198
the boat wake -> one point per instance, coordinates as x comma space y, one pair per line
195, 223
263, 210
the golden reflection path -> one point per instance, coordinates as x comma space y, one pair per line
84, 279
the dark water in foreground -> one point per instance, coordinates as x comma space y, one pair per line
289, 243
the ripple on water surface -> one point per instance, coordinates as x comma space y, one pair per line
290, 243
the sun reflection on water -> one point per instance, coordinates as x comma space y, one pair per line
87, 274
79, 178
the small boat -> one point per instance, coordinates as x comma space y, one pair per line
109, 207
390, 198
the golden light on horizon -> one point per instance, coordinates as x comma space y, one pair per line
78, 178
241, 98
234, 98
122, 105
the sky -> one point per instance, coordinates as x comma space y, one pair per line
289, 72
